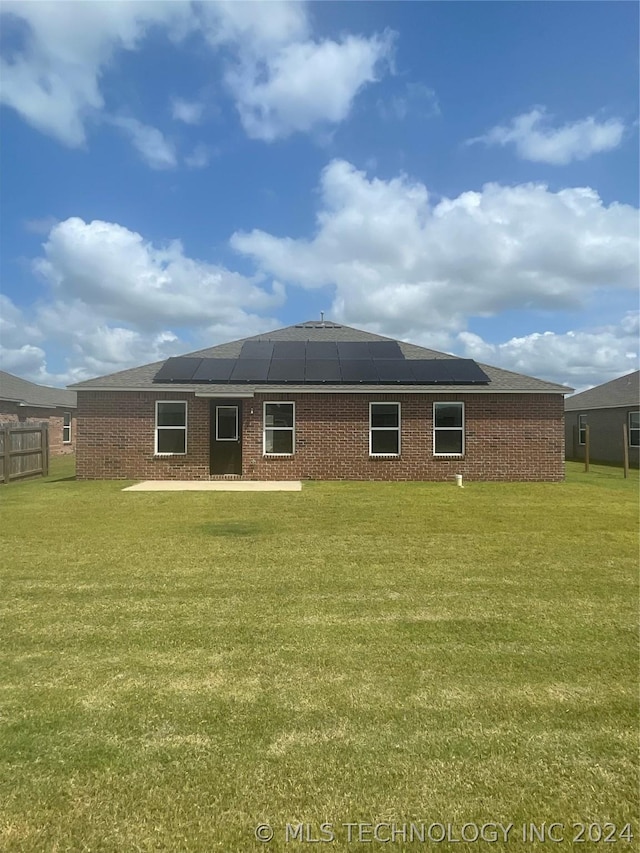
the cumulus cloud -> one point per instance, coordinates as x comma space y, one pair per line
189, 112
123, 277
305, 84
157, 151
281, 79
394, 257
53, 78
114, 300
534, 138
580, 359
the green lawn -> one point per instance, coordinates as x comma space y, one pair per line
177, 668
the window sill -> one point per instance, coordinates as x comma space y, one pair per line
384, 456
167, 455
448, 455
277, 455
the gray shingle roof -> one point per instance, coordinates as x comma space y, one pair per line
141, 378
17, 390
624, 391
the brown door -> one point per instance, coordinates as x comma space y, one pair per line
226, 437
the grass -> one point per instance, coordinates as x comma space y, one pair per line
177, 668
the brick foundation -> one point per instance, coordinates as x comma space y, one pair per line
507, 437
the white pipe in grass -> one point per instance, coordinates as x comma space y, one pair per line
459, 480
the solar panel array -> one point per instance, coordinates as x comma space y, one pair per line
319, 362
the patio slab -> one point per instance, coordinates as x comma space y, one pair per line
216, 486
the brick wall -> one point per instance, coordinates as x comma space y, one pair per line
507, 437
54, 418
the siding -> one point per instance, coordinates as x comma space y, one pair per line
605, 435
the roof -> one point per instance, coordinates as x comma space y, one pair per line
141, 378
13, 389
624, 391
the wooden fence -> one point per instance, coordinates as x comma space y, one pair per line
24, 451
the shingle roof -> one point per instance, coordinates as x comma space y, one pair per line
141, 378
17, 390
624, 391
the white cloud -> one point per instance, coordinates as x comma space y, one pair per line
579, 359
120, 276
53, 80
535, 140
199, 157
189, 112
282, 80
416, 100
149, 142
395, 258
305, 84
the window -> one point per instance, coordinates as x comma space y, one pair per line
384, 429
279, 429
171, 427
448, 429
226, 423
634, 429
66, 428
582, 429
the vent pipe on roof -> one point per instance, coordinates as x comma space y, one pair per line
322, 317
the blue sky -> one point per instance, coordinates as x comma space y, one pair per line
461, 175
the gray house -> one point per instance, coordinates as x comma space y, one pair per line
605, 409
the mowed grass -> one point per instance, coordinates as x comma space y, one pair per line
176, 668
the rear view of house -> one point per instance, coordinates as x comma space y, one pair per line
605, 410
23, 402
323, 401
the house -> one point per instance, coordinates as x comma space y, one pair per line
23, 402
605, 409
324, 401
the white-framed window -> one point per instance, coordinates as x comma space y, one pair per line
384, 429
448, 429
582, 429
634, 429
66, 428
226, 423
279, 434
171, 428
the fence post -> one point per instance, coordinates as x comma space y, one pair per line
45, 450
5, 453
625, 449
586, 449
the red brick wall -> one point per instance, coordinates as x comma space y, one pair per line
507, 437
54, 418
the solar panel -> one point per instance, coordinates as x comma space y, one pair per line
322, 370
289, 349
358, 370
353, 349
177, 369
431, 371
385, 349
214, 370
393, 370
465, 370
250, 370
256, 349
321, 349
286, 370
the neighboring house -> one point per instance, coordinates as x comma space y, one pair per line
27, 403
605, 409
320, 401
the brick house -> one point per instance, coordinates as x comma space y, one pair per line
23, 402
605, 409
320, 401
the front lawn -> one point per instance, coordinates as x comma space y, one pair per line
177, 668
